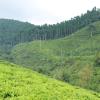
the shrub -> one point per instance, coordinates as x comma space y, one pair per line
97, 60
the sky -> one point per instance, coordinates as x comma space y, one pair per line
40, 12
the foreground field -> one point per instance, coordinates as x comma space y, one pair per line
22, 84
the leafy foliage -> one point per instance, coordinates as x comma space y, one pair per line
18, 83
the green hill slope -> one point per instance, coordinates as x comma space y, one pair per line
17, 83
13, 32
74, 59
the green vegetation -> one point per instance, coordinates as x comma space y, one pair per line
13, 32
10, 33
18, 83
72, 59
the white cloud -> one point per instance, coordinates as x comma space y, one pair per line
44, 11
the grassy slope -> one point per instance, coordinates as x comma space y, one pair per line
22, 84
65, 59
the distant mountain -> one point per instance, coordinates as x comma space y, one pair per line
18, 83
10, 33
13, 26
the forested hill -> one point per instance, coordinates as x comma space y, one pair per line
28, 32
10, 30
13, 32
13, 26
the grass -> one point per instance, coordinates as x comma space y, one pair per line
17, 83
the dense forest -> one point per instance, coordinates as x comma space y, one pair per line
13, 32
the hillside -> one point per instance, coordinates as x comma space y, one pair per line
13, 32
74, 59
17, 83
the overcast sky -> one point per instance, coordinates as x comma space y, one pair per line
45, 11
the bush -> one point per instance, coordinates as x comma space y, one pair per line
97, 60
65, 76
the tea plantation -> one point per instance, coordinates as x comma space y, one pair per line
17, 83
